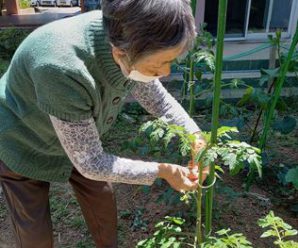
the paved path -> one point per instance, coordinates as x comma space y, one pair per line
33, 20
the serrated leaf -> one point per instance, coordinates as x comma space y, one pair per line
226, 129
292, 177
206, 57
268, 233
223, 231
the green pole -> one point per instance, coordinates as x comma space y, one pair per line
190, 63
194, 7
222, 13
277, 90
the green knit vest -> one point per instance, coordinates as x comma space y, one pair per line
64, 69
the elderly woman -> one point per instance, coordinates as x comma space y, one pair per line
63, 90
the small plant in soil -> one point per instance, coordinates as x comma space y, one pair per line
169, 233
278, 229
226, 151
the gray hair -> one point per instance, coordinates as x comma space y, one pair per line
142, 27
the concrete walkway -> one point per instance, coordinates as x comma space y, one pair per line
34, 20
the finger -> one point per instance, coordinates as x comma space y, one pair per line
194, 174
194, 170
206, 170
191, 164
193, 177
185, 171
189, 185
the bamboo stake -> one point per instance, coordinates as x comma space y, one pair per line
222, 13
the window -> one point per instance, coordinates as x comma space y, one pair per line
252, 18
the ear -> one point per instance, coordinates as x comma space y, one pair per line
117, 52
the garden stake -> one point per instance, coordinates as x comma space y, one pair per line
222, 12
194, 7
199, 237
190, 65
277, 90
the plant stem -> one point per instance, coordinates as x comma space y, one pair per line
277, 232
222, 12
199, 238
277, 90
259, 116
190, 64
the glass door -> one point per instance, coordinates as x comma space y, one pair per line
236, 17
251, 18
266, 16
281, 13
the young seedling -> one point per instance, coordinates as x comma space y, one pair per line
279, 230
226, 151
169, 233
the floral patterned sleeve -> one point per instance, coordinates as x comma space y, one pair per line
82, 144
158, 102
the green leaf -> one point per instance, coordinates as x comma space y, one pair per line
290, 244
268, 74
200, 154
177, 245
207, 57
226, 129
246, 97
198, 74
255, 96
292, 232
268, 233
286, 125
223, 231
218, 168
176, 220
292, 177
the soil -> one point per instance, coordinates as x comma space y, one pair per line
240, 214
139, 211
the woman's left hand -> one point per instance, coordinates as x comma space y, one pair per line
198, 144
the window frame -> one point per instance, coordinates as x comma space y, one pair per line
257, 36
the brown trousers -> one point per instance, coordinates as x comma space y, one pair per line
28, 203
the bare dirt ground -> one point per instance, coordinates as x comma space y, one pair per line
139, 210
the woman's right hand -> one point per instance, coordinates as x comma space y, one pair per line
178, 177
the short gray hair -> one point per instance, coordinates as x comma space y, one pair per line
142, 27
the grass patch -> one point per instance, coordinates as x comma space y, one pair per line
3, 66
67, 216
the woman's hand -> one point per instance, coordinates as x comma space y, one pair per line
178, 177
198, 144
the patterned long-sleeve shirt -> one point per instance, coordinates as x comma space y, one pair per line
88, 156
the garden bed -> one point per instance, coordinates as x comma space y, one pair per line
140, 208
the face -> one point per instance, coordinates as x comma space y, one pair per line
156, 64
